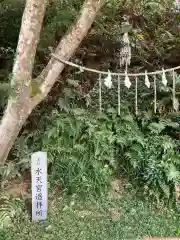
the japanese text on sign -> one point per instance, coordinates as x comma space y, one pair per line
39, 185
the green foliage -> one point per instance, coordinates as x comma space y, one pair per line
9, 209
152, 34
155, 161
5, 90
80, 148
3, 234
11, 15
13, 169
58, 18
156, 164
75, 218
86, 148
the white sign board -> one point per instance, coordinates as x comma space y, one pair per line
39, 186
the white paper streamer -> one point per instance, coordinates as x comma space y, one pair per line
147, 82
164, 80
126, 38
125, 54
108, 80
127, 82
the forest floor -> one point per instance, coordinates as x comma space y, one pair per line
119, 215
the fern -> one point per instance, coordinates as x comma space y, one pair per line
8, 210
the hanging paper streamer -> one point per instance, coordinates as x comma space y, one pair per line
136, 96
155, 95
177, 5
164, 80
119, 96
147, 82
100, 94
127, 82
108, 80
125, 55
126, 38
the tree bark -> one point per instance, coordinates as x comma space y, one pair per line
11, 124
20, 105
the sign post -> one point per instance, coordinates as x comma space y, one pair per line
39, 186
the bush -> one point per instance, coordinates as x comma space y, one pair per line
156, 164
81, 149
86, 149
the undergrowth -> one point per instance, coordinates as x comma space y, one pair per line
85, 149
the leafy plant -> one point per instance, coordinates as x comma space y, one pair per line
155, 160
9, 209
80, 147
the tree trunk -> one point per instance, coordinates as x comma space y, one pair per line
19, 103
20, 106
10, 127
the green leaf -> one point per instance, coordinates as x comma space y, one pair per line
111, 110
78, 111
53, 132
165, 188
156, 127
128, 118
173, 174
